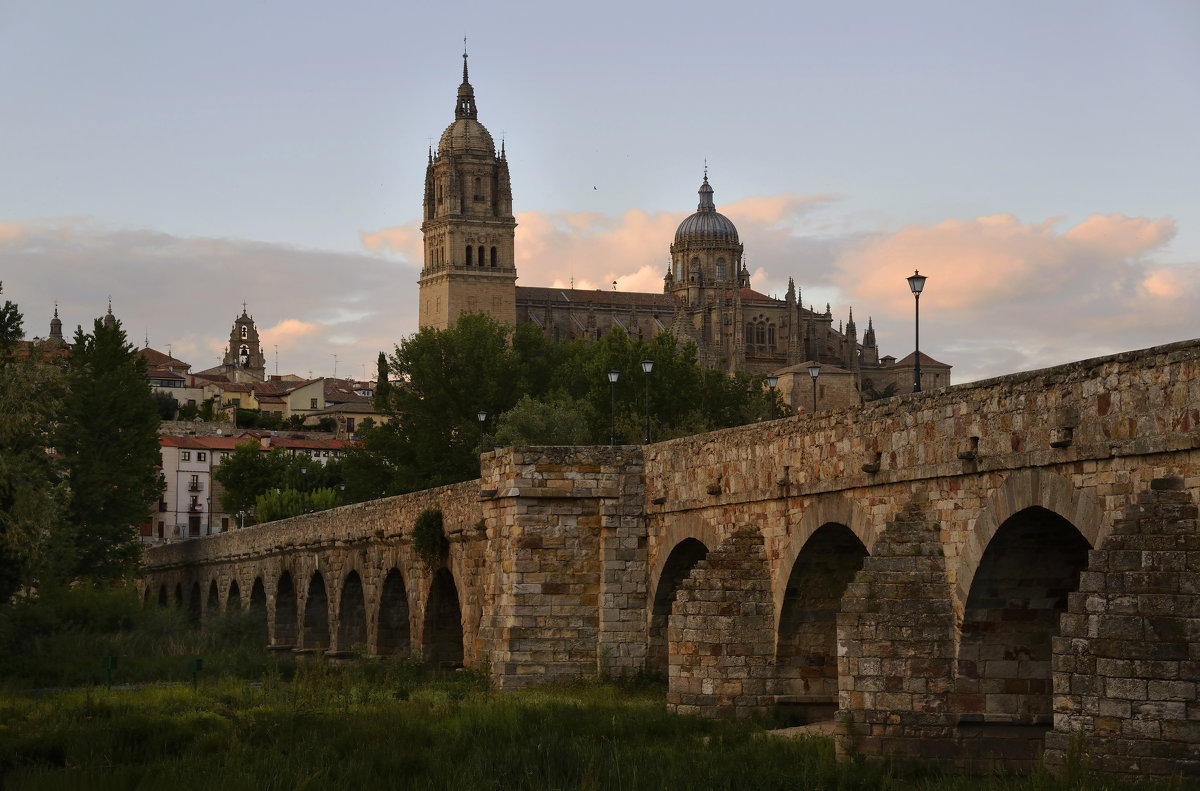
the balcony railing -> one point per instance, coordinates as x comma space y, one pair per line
195, 486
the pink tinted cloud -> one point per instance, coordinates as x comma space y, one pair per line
992, 260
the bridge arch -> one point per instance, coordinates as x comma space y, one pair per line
284, 633
678, 563
834, 509
212, 607
195, 605
316, 614
233, 598
1012, 613
806, 635
1021, 490
680, 527
393, 631
352, 613
442, 632
257, 609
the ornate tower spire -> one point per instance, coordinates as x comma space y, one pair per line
56, 327
466, 94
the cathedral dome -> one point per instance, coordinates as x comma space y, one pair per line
707, 224
466, 135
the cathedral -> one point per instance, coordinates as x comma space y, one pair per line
469, 229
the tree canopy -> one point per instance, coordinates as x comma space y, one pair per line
108, 440
533, 391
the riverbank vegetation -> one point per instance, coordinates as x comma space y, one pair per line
246, 719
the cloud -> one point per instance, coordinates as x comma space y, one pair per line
1042, 294
184, 293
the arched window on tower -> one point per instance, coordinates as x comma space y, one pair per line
760, 334
493, 256
439, 195
749, 333
478, 188
245, 332
244, 355
720, 269
468, 255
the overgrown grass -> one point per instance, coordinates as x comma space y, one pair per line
388, 724
61, 638
257, 723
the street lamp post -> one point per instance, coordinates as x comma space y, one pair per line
772, 381
916, 282
647, 367
814, 371
612, 388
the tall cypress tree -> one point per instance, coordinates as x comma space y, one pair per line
108, 438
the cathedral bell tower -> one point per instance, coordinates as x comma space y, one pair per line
468, 224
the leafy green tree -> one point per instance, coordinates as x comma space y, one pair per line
247, 473
553, 421
442, 380
166, 404
108, 438
536, 391
31, 489
383, 387
11, 327
286, 503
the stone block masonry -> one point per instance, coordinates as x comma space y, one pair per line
966, 574
1127, 659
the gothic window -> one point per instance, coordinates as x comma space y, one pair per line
678, 269
469, 255
749, 333
439, 195
720, 269
245, 332
493, 256
760, 334
771, 335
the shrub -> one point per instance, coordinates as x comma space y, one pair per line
429, 538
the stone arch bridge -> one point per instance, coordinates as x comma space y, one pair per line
994, 566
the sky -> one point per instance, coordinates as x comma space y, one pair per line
1037, 161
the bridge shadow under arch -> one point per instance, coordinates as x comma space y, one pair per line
1012, 612
316, 614
352, 614
392, 635
257, 610
233, 599
286, 612
212, 608
806, 637
443, 629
